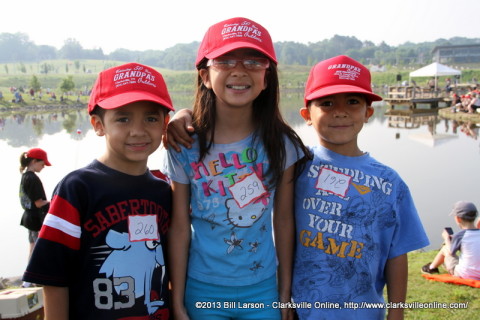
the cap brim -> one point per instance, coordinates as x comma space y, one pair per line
341, 88
237, 45
47, 163
122, 99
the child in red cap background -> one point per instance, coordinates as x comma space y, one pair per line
355, 217
100, 252
239, 168
32, 194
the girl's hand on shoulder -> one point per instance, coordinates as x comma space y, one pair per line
178, 130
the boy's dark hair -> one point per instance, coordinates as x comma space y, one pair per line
100, 112
367, 100
270, 126
469, 216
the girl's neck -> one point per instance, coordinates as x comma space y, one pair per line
233, 125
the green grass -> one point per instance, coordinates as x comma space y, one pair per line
425, 291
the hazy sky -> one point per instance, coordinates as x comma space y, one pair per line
160, 24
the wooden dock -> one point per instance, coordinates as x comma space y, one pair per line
412, 96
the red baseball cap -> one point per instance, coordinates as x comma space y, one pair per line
232, 34
39, 154
339, 74
127, 83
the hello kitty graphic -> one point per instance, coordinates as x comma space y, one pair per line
245, 217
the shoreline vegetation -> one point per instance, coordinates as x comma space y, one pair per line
426, 299
71, 82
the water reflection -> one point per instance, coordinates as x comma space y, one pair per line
438, 158
27, 129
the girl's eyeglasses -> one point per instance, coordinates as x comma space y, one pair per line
227, 63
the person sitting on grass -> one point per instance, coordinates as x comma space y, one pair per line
467, 241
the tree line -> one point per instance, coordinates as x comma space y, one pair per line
17, 47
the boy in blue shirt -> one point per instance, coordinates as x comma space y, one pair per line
355, 217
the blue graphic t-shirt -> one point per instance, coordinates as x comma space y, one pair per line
231, 204
352, 214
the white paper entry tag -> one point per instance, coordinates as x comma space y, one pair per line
247, 190
143, 227
333, 181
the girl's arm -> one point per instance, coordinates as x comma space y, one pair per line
178, 130
396, 273
284, 230
56, 302
40, 203
178, 245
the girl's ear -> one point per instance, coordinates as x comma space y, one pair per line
97, 125
205, 78
305, 113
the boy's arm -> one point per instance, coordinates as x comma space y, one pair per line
448, 241
178, 130
284, 230
178, 245
396, 274
56, 302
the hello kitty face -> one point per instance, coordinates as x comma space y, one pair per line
244, 217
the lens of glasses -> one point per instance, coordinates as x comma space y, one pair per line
226, 63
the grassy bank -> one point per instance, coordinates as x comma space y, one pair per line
83, 72
425, 291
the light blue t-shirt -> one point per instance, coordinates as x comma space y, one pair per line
352, 214
231, 204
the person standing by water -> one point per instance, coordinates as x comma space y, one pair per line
32, 195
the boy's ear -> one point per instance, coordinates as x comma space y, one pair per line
166, 119
368, 113
305, 113
457, 220
205, 78
97, 125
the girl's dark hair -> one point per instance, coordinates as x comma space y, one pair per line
25, 161
268, 121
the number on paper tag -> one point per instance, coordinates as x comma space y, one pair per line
247, 190
333, 181
143, 227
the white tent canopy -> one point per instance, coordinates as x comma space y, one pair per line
435, 70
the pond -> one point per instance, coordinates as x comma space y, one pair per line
440, 169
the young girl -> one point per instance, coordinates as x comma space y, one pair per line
240, 166
32, 194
